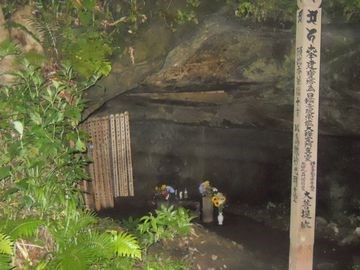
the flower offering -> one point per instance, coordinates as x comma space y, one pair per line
206, 189
219, 199
164, 192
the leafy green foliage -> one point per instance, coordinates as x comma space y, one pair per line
118, 263
73, 257
131, 223
7, 48
84, 34
5, 244
93, 248
17, 230
41, 166
189, 13
87, 53
73, 225
125, 245
4, 172
283, 11
20, 228
40, 162
5, 261
185, 16
166, 224
267, 10
347, 9
81, 245
70, 31
11, 231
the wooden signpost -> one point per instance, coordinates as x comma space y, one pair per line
305, 135
111, 167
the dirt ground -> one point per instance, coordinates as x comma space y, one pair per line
245, 244
248, 240
206, 250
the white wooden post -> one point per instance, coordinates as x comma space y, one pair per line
305, 135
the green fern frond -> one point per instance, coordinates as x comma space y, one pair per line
81, 222
48, 31
5, 262
99, 244
74, 225
6, 251
92, 248
126, 245
21, 227
87, 250
73, 257
5, 245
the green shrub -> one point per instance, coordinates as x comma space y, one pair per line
165, 224
41, 163
40, 168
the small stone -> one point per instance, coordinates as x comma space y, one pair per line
357, 231
214, 257
192, 250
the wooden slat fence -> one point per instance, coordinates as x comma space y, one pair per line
111, 167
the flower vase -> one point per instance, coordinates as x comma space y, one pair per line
220, 218
207, 213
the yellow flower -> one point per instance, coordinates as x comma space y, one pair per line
163, 187
218, 199
215, 201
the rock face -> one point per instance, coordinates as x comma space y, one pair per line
24, 41
251, 65
216, 101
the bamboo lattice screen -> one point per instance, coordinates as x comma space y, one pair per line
111, 166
